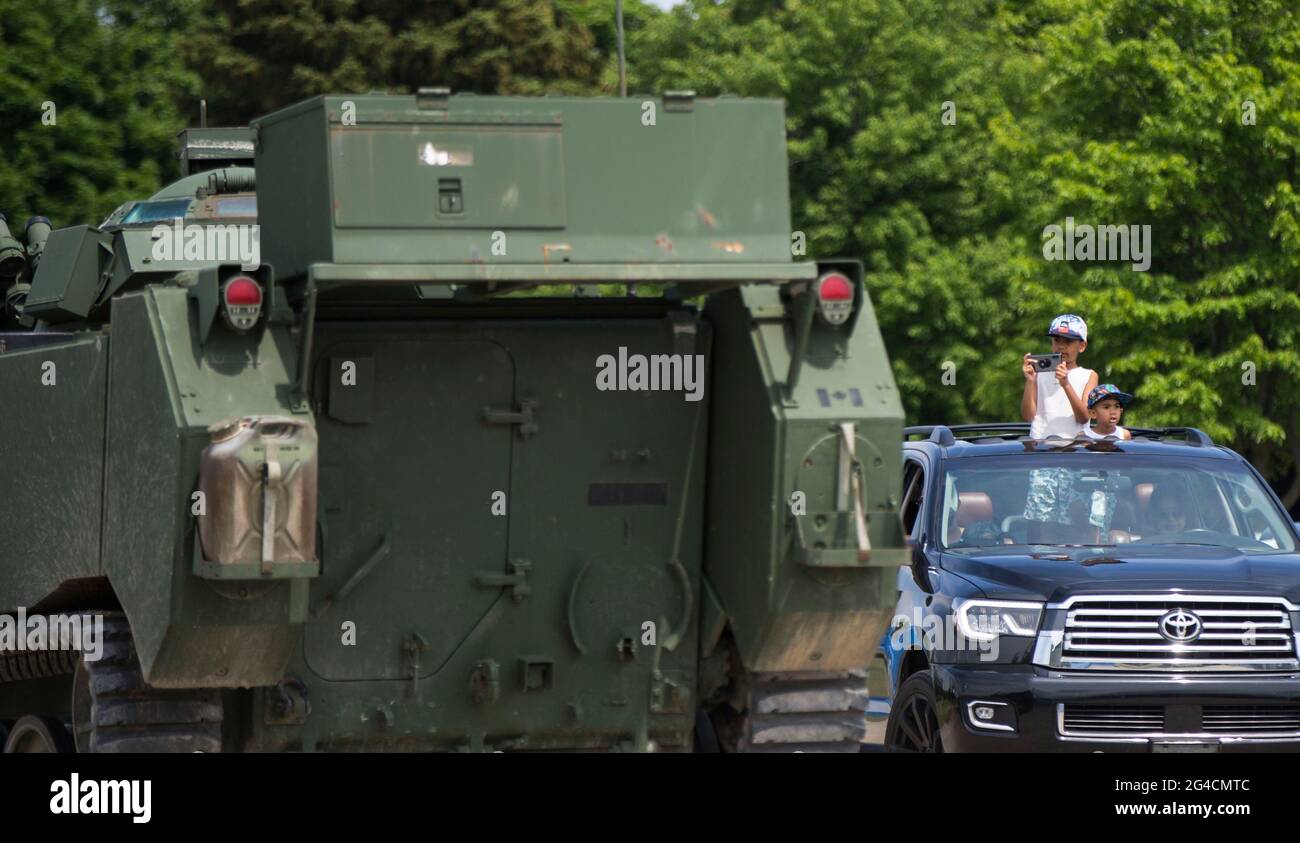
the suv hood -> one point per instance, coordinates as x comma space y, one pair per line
1056, 573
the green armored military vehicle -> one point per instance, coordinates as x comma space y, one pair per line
512, 425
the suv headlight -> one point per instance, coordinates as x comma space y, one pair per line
985, 620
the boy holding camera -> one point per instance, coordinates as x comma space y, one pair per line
1053, 404
1053, 401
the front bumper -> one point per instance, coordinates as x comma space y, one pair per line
1036, 696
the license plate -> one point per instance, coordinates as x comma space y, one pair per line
1185, 746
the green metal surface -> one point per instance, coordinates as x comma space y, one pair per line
508, 555
389, 479
166, 390
516, 178
788, 614
52, 443
65, 285
391, 274
209, 147
542, 181
420, 475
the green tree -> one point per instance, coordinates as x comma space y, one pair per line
255, 56
87, 108
598, 16
888, 105
1182, 116
1122, 112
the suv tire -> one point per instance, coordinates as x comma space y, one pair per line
914, 717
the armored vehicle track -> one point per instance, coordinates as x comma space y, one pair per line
115, 711
806, 712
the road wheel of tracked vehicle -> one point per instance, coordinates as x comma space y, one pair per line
914, 717
806, 712
38, 734
114, 710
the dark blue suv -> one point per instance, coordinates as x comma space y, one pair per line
1135, 595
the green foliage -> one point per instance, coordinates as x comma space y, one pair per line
1138, 119
125, 77
598, 17
875, 173
1122, 112
259, 55
111, 73
1108, 111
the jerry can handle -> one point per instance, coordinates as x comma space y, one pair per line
269, 427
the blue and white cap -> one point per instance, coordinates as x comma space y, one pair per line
1108, 390
1069, 326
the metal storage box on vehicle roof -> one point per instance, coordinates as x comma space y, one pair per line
429, 179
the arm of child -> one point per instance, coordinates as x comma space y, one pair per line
1076, 401
1029, 400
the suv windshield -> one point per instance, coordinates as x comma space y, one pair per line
1108, 499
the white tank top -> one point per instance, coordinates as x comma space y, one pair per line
1092, 434
1055, 415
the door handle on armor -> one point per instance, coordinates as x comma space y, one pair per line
522, 418
516, 581
852, 489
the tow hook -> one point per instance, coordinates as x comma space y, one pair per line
289, 705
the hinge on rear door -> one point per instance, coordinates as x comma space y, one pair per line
523, 417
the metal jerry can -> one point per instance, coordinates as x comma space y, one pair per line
258, 479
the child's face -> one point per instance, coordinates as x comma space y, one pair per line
1068, 349
1107, 412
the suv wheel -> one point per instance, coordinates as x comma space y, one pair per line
914, 717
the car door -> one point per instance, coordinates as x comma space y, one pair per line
904, 632
913, 594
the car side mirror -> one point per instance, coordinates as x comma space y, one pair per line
921, 564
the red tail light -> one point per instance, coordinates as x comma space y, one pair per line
835, 295
241, 300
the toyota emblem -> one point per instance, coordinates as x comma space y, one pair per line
1180, 625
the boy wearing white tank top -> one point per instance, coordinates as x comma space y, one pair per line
1053, 404
1107, 404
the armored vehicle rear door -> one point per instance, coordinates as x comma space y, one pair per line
407, 481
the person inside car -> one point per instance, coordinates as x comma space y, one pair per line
984, 533
1167, 512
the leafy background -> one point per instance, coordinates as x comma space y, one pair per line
1107, 111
